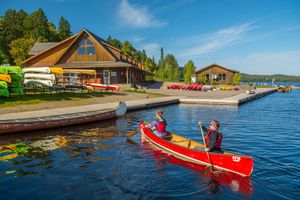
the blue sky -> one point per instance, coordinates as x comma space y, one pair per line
252, 36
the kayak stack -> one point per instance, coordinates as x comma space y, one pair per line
11, 81
40, 77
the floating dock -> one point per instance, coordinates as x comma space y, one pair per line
230, 101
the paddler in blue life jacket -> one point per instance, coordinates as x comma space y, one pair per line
160, 124
213, 138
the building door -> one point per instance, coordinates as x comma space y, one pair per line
106, 77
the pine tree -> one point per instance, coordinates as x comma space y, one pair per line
64, 28
40, 25
127, 48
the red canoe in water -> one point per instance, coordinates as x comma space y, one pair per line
192, 151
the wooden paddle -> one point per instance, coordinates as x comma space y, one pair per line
133, 133
208, 168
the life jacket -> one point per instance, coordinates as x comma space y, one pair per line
219, 139
161, 125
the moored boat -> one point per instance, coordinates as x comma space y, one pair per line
192, 151
43, 70
50, 77
102, 86
3, 85
37, 82
5, 77
59, 120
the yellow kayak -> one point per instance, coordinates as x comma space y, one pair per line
5, 77
56, 70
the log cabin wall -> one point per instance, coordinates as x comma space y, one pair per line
224, 76
74, 54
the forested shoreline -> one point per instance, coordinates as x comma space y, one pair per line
269, 78
19, 31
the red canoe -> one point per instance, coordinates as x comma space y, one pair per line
102, 86
192, 151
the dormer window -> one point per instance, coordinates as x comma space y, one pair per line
86, 47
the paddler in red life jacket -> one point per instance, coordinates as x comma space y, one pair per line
213, 138
160, 124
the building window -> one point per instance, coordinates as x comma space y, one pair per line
220, 77
224, 77
207, 77
86, 47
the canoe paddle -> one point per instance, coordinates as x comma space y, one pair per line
133, 133
210, 168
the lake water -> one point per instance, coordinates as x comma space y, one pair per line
96, 161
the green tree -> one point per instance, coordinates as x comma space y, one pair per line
64, 28
127, 48
202, 78
236, 79
143, 56
114, 42
161, 60
11, 28
149, 65
3, 57
169, 69
53, 36
189, 70
39, 25
20, 48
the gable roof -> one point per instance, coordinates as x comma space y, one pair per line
39, 47
78, 38
215, 65
43, 51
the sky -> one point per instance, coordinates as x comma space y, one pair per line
252, 36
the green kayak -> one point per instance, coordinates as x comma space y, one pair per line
4, 92
18, 91
11, 69
17, 84
16, 76
3, 85
3, 70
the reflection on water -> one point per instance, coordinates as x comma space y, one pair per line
96, 161
34, 149
216, 179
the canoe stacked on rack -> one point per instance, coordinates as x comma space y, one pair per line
11, 80
39, 77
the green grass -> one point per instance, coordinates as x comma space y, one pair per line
32, 98
135, 91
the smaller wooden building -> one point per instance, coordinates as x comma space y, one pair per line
85, 50
220, 74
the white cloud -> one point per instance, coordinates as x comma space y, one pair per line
208, 43
137, 38
152, 49
135, 16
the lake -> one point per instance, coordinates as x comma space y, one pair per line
96, 161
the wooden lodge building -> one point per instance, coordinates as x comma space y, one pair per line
216, 72
86, 50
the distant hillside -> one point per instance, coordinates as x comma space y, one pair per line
262, 78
